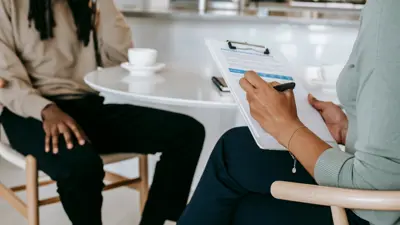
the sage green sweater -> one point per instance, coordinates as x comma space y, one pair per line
369, 89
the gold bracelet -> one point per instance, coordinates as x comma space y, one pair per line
291, 137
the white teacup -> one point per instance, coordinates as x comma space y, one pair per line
142, 57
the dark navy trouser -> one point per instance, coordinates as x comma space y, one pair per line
114, 129
235, 188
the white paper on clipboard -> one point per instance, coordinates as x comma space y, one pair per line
274, 67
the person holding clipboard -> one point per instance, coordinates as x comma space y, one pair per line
235, 187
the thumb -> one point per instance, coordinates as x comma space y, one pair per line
318, 105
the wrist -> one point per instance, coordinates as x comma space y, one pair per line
287, 131
48, 109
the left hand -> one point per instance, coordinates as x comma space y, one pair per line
276, 112
334, 117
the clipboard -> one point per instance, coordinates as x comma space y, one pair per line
234, 62
251, 46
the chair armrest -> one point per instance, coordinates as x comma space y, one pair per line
329, 196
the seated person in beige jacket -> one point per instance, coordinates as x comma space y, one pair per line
46, 48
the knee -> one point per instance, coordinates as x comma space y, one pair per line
235, 142
196, 127
237, 138
193, 129
236, 134
81, 165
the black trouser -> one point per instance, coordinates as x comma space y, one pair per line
235, 188
111, 129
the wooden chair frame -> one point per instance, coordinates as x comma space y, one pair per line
30, 209
338, 199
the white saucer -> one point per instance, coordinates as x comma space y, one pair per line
143, 71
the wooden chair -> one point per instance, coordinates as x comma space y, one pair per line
30, 209
337, 198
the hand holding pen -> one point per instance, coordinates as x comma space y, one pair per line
272, 105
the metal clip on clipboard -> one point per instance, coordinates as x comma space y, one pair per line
252, 46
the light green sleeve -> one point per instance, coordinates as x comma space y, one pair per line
376, 163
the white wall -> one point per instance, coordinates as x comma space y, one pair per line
142, 4
129, 4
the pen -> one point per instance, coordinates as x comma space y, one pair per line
284, 87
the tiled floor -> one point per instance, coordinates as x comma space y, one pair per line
121, 206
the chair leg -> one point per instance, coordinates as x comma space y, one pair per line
32, 190
144, 183
339, 216
13, 200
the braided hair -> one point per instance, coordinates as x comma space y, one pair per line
42, 15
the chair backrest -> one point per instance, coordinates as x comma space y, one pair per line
337, 198
7, 152
12, 156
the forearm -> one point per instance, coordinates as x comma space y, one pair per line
23, 101
19, 95
307, 148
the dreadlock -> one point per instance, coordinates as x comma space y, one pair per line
41, 13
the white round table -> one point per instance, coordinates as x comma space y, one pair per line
172, 86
